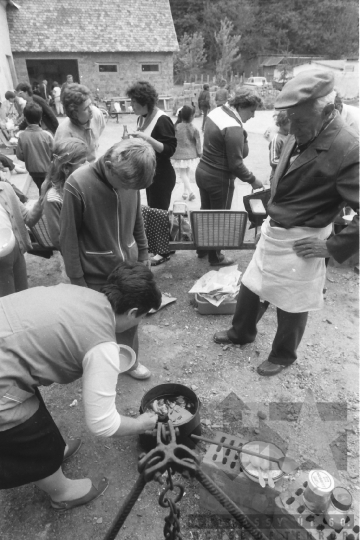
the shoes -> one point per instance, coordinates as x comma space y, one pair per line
222, 337
202, 254
93, 494
72, 448
159, 259
224, 261
268, 369
192, 196
140, 373
185, 196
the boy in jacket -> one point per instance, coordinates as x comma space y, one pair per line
35, 145
101, 223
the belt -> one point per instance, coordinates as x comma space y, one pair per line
274, 223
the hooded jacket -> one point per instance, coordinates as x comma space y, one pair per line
100, 226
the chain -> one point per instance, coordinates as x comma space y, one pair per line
172, 521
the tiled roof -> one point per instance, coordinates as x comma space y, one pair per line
91, 26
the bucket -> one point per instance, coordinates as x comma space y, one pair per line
187, 428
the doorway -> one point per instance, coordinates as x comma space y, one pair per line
52, 70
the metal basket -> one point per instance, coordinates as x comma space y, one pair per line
218, 229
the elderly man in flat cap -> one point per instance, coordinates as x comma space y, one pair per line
317, 175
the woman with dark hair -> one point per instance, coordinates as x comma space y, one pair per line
62, 334
225, 147
155, 127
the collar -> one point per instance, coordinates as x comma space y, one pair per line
231, 111
99, 168
146, 119
327, 133
33, 127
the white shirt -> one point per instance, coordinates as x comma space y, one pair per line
350, 115
101, 368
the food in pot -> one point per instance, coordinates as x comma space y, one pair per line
177, 408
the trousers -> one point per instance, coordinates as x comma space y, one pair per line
290, 329
216, 193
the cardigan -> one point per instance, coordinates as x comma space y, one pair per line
188, 141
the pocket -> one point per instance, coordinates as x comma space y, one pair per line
99, 252
14, 396
131, 245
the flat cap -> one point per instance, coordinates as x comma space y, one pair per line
306, 86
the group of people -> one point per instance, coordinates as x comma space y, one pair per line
88, 329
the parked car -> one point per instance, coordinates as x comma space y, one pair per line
278, 84
259, 82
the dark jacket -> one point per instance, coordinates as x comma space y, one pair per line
99, 226
204, 100
321, 180
48, 117
225, 144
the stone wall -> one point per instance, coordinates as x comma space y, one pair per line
129, 70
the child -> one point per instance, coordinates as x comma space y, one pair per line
68, 155
277, 143
188, 148
35, 145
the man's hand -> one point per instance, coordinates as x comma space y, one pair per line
147, 421
311, 247
257, 184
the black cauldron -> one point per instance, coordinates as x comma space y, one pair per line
187, 428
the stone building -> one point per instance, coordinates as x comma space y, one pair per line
104, 45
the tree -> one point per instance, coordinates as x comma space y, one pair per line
191, 55
187, 16
228, 47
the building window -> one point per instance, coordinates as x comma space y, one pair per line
149, 67
108, 68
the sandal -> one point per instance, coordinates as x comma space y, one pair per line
159, 259
192, 196
93, 494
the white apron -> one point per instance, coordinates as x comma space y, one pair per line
278, 275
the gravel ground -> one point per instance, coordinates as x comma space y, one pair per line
310, 408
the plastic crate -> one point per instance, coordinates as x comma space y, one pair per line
206, 308
218, 229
